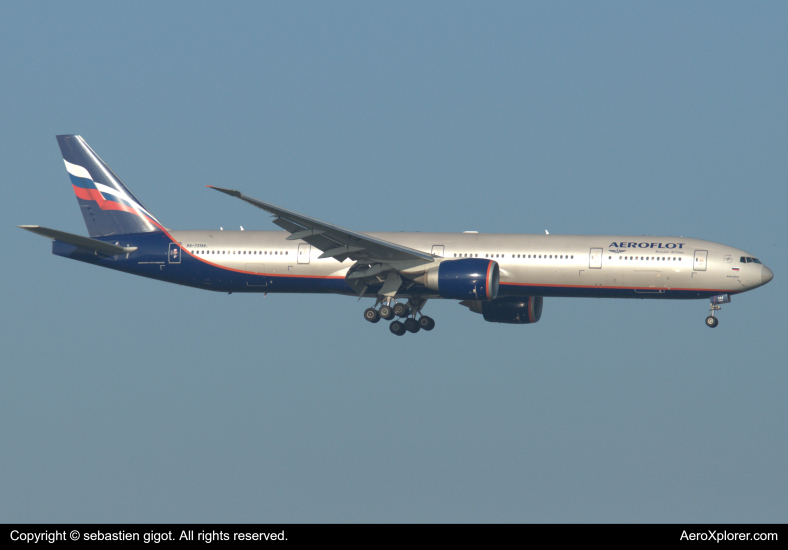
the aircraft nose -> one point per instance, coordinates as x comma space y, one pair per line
766, 275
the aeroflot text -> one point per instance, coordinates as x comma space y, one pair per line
622, 244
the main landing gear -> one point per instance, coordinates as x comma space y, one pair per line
407, 312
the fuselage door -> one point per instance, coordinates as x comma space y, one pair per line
174, 255
595, 258
700, 260
437, 250
303, 253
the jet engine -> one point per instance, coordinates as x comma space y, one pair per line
467, 279
516, 310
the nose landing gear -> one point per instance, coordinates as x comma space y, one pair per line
711, 320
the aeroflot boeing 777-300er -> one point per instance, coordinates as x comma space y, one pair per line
501, 276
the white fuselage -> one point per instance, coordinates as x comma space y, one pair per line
569, 265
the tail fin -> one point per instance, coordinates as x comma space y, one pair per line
108, 207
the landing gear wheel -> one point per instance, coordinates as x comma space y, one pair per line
411, 325
401, 310
371, 315
397, 328
386, 313
426, 323
712, 322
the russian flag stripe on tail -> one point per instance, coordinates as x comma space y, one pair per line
107, 205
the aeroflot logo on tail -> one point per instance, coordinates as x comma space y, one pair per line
624, 245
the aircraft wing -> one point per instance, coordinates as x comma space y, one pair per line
335, 242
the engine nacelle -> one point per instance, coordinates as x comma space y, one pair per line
466, 279
512, 309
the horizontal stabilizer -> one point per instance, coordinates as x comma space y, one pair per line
79, 240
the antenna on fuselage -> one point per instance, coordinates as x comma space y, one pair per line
546, 232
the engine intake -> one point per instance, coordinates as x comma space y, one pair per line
466, 279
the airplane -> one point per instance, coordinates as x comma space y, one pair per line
503, 277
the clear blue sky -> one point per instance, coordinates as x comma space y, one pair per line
129, 400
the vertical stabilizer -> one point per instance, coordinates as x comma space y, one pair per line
108, 207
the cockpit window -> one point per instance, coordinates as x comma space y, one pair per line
749, 260
756, 260
743, 260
